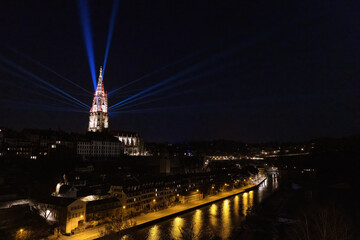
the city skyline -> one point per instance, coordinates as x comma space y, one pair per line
250, 71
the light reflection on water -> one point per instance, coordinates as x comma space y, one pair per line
213, 217
219, 219
197, 223
236, 206
177, 227
154, 233
245, 203
251, 199
225, 219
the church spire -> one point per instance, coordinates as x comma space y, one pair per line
100, 86
98, 120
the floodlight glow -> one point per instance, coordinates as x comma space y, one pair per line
154, 100
45, 107
47, 68
156, 71
147, 92
192, 69
161, 109
3, 59
86, 29
52, 97
110, 33
155, 86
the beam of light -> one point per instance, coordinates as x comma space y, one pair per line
160, 90
172, 108
37, 92
189, 70
152, 90
252, 41
156, 71
157, 99
155, 86
86, 29
24, 71
47, 68
45, 107
110, 33
54, 90
182, 93
124, 94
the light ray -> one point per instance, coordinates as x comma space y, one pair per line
156, 71
42, 87
46, 107
110, 33
86, 29
155, 100
3, 59
47, 68
147, 92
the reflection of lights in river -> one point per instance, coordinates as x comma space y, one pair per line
213, 216
126, 237
216, 220
226, 221
177, 224
251, 199
245, 203
275, 181
154, 233
261, 190
197, 223
236, 205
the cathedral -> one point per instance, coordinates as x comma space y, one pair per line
99, 119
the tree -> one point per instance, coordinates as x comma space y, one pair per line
114, 227
23, 234
44, 210
322, 223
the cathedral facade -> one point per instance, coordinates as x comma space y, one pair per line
99, 119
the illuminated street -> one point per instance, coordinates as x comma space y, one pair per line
178, 209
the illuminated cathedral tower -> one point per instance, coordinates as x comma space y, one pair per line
99, 120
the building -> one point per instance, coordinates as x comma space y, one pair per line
99, 146
133, 144
137, 196
99, 119
68, 213
99, 149
103, 208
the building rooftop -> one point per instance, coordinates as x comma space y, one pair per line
102, 201
58, 201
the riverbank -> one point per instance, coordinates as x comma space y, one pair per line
154, 217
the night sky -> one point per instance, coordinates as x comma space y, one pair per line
245, 70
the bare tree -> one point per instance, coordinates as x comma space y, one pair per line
114, 227
43, 210
322, 223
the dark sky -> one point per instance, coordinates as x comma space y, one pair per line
247, 70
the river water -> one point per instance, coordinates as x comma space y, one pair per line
218, 220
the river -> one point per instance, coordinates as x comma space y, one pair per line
218, 219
